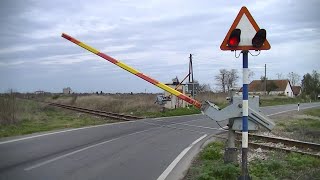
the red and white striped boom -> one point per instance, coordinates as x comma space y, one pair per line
134, 71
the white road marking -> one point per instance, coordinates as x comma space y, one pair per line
63, 131
292, 110
83, 149
166, 172
177, 116
76, 129
182, 120
205, 127
174, 127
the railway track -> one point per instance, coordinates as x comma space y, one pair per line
97, 112
282, 144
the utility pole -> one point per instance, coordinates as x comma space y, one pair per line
265, 79
191, 74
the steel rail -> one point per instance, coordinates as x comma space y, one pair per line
98, 112
302, 145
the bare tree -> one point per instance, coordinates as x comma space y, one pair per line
204, 88
227, 79
280, 76
250, 75
232, 78
221, 79
262, 78
294, 78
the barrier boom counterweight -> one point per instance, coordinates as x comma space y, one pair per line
134, 71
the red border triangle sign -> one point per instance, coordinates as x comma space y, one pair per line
249, 27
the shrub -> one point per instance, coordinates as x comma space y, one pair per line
8, 108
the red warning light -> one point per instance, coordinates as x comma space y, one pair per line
234, 38
233, 41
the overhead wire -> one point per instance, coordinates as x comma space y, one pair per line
255, 54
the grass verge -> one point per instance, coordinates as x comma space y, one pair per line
313, 112
35, 117
273, 101
169, 112
303, 125
209, 165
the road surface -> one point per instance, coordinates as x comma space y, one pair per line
145, 149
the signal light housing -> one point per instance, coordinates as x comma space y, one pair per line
259, 38
234, 38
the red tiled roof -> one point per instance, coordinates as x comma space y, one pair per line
259, 85
296, 90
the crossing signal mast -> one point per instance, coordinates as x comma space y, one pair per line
245, 34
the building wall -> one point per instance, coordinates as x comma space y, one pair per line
276, 92
288, 91
66, 91
175, 101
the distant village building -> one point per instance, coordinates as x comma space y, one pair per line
274, 87
39, 92
174, 101
67, 90
296, 90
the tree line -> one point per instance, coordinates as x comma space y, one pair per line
310, 83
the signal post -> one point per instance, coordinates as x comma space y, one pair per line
244, 35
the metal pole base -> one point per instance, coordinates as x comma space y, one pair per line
244, 165
230, 155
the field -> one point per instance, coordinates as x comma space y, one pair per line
279, 100
19, 116
30, 117
303, 125
136, 104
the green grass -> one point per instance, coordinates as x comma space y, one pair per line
313, 112
303, 123
280, 101
305, 128
171, 112
35, 117
209, 165
285, 166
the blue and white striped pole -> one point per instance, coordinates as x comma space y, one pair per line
245, 112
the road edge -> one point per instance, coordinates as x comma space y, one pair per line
182, 167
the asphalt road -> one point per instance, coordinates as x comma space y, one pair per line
136, 150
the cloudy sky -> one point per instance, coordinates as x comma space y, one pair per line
154, 36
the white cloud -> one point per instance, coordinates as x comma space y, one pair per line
16, 49
65, 59
6, 64
118, 48
155, 36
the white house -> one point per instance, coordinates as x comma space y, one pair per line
66, 90
272, 87
175, 102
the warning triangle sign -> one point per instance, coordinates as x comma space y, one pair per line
248, 26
